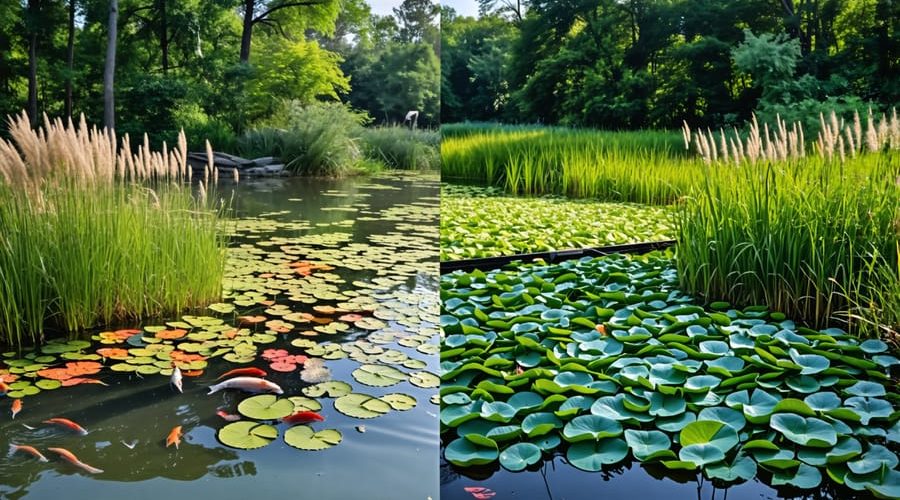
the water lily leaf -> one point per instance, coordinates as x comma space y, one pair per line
873, 346
877, 457
742, 468
806, 431
810, 363
592, 455
304, 404
701, 454
399, 402
378, 375
538, 424
247, 435
866, 389
727, 416
822, 401
498, 411
592, 427
265, 407
845, 449
867, 408
465, 453
700, 383
645, 445
804, 477
305, 438
425, 380
519, 456
702, 432
677, 423
331, 389
361, 406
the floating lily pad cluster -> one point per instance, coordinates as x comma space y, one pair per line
603, 359
482, 222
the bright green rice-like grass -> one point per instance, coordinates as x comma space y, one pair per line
643, 167
479, 222
815, 239
73, 257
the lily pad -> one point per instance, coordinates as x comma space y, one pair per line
247, 435
266, 407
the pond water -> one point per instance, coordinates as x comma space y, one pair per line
364, 246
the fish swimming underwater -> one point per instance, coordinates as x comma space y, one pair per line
176, 379
228, 417
174, 437
16, 407
249, 372
31, 450
71, 458
65, 422
248, 384
303, 417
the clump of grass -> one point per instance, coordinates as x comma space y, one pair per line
93, 234
644, 166
811, 237
402, 148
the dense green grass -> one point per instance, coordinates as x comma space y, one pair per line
643, 167
809, 237
402, 148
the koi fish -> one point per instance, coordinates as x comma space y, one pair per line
72, 459
65, 422
249, 384
228, 417
176, 379
249, 372
4, 387
16, 407
174, 437
31, 450
303, 417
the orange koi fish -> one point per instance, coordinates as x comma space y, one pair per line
65, 422
228, 417
174, 437
249, 372
16, 407
303, 417
4, 387
72, 459
31, 450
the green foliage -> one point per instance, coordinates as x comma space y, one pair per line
401, 148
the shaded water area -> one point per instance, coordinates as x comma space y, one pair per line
304, 253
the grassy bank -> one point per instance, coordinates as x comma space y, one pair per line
331, 140
643, 167
95, 235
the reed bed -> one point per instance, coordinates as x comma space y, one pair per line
811, 237
95, 234
402, 148
643, 167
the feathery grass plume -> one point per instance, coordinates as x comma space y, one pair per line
686, 133
871, 134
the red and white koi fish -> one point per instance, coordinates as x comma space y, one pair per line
248, 384
72, 459
16, 407
176, 379
31, 450
65, 422
4, 387
247, 372
303, 417
174, 437
228, 417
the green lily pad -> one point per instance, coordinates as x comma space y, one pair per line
806, 431
593, 455
361, 406
399, 402
304, 437
465, 453
519, 456
266, 407
378, 375
246, 435
331, 389
645, 445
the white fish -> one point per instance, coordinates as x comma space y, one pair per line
130, 445
176, 379
249, 384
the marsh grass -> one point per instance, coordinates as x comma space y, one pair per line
401, 148
93, 234
811, 237
644, 166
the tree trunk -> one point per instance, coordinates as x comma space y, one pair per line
34, 14
164, 36
109, 112
248, 30
70, 58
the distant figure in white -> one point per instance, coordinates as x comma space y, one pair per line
412, 119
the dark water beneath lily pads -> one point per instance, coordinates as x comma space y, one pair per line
380, 237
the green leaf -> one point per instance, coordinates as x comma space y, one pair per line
247, 435
265, 407
465, 453
591, 427
519, 456
804, 477
592, 455
305, 438
361, 406
646, 444
399, 402
378, 375
331, 389
866, 389
742, 468
806, 431
710, 432
877, 457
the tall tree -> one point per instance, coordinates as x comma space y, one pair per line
70, 58
417, 20
109, 110
264, 12
32, 21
